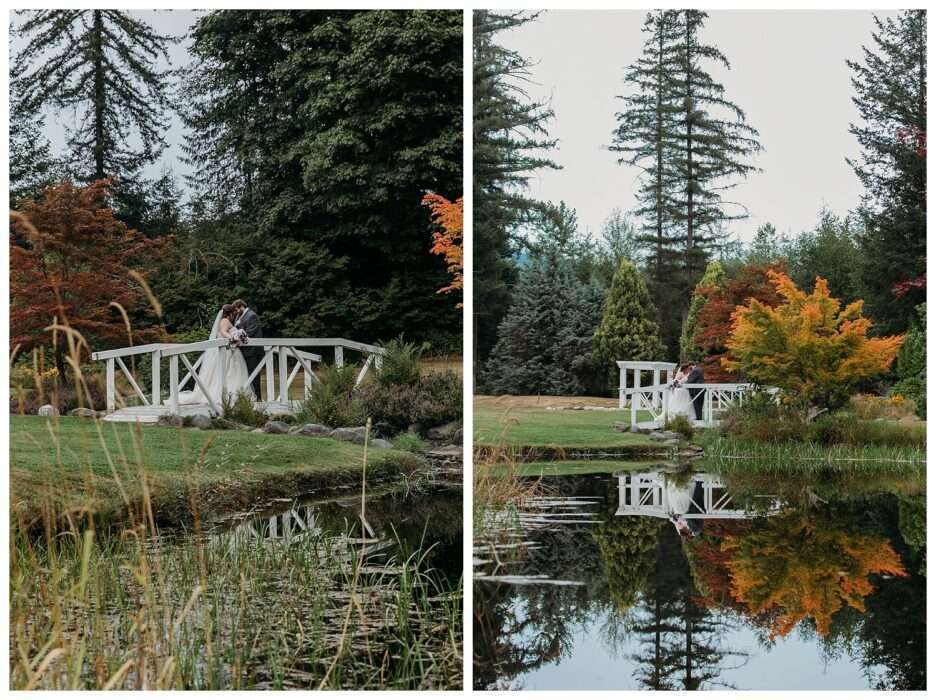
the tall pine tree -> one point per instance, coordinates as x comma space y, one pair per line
890, 93
510, 145
104, 65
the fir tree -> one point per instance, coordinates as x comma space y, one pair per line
766, 248
544, 340
103, 64
890, 93
646, 139
510, 145
715, 144
628, 329
32, 165
714, 277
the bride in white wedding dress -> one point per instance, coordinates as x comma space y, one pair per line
680, 403
209, 373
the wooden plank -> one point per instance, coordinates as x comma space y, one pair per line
127, 352
174, 385
339, 356
283, 377
270, 384
156, 380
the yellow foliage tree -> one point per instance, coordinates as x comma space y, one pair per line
807, 345
796, 567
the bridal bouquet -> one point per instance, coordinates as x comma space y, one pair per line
238, 337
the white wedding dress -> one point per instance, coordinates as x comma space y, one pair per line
680, 403
209, 373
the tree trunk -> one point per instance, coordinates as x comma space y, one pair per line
97, 53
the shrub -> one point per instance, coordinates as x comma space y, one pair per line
32, 387
333, 400
239, 408
893, 407
808, 345
911, 365
682, 425
432, 400
844, 429
409, 442
760, 416
400, 363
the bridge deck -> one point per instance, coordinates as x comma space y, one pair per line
151, 414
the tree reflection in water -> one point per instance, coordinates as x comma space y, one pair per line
848, 573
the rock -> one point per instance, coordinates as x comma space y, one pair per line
621, 427
355, 435
447, 451
83, 412
275, 427
656, 435
311, 430
257, 430
381, 444
458, 436
672, 442
47, 410
670, 435
170, 421
202, 422
278, 413
444, 432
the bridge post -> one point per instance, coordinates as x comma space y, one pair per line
656, 393
339, 356
622, 390
155, 384
174, 384
111, 386
634, 398
270, 383
222, 366
283, 375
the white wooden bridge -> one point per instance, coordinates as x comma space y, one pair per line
654, 398
283, 360
707, 498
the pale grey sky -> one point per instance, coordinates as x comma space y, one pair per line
788, 74
171, 22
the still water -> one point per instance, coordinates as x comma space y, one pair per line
676, 578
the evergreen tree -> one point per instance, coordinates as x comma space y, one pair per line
102, 64
646, 138
830, 251
333, 195
713, 278
510, 145
715, 144
890, 93
544, 340
628, 329
766, 248
32, 166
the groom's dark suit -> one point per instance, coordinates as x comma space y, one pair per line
696, 376
253, 354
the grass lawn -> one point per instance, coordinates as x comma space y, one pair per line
68, 464
521, 421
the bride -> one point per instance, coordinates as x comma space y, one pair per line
680, 403
209, 373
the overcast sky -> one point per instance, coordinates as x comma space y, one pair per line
171, 22
788, 74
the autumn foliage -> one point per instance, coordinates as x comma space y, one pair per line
799, 567
808, 345
449, 217
74, 265
714, 324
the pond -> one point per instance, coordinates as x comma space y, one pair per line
262, 601
700, 578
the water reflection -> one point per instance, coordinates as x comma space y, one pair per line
702, 580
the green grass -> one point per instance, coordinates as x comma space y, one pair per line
73, 463
561, 428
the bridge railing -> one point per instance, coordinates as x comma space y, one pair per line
655, 400
283, 360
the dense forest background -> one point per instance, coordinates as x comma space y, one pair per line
311, 139
555, 305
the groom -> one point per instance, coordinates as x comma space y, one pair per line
249, 322
696, 376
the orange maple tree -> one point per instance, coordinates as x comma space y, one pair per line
797, 566
449, 217
73, 265
807, 345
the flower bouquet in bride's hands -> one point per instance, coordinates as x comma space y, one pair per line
238, 337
